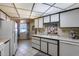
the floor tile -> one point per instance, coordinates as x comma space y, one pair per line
25, 48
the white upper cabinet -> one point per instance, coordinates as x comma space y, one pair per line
36, 23
69, 19
55, 18
2, 16
46, 19
40, 22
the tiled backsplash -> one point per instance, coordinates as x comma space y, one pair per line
66, 31
61, 31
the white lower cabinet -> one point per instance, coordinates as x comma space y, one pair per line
52, 49
1, 50
35, 46
36, 42
69, 49
6, 49
44, 46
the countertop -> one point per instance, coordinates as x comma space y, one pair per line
66, 39
3, 40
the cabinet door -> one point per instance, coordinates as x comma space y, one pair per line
46, 19
69, 19
52, 49
3, 16
36, 23
36, 46
44, 46
40, 22
55, 18
68, 49
2, 50
6, 49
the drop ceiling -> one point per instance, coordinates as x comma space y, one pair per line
34, 10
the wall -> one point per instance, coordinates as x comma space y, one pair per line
31, 27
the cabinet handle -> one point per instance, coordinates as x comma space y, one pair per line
6, 42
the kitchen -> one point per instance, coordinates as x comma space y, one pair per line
52, 29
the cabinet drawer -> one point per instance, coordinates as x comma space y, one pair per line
52, 49
50, 41
36, 41
44, 46
36, 38
36, 46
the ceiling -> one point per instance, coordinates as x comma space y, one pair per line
34, 10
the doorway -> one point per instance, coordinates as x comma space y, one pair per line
23, 31
24, 43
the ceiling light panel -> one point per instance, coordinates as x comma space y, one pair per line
9, 11
24, 16
6, 4
27, 6
36, 14
63, 5
13, 14
25, 12
74, 6
40, 7
53, 10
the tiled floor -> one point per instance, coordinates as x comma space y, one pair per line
25, 48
